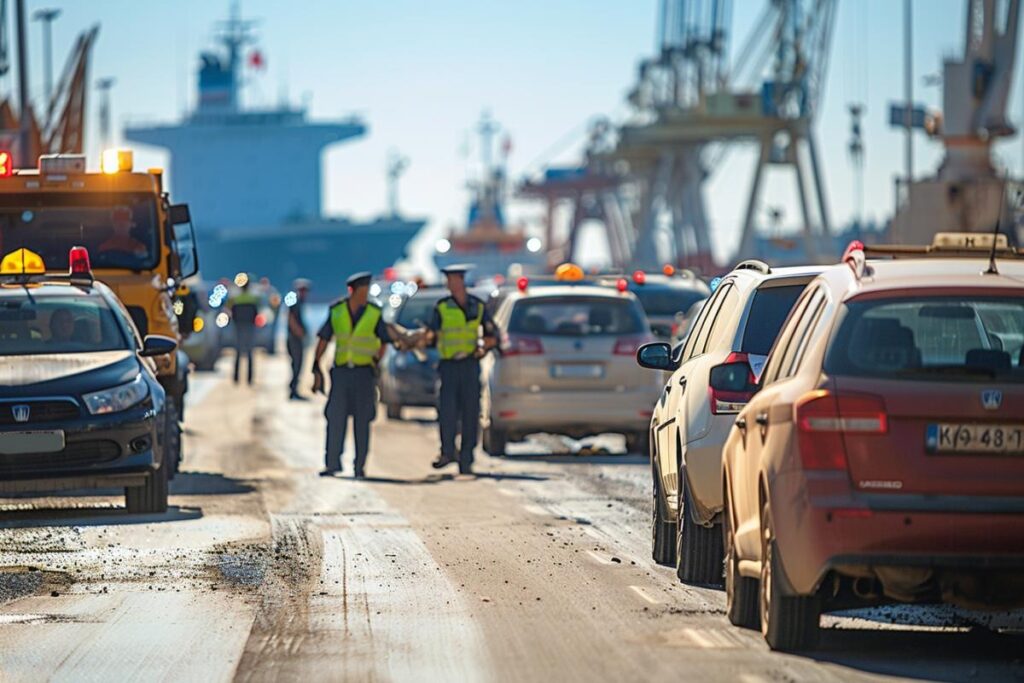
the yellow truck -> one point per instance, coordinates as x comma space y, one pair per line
140, 244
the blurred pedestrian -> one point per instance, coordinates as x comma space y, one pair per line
463, 331
296, 334
358, 329
244, 307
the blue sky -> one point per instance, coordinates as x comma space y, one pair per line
422, 72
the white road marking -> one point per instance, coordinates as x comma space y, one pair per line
643, 594
752, 678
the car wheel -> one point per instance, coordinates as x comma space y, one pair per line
151, 497
741, 592
495, 441
787, 622
638, 443
394, 411
663, 531
698, 548
172, 439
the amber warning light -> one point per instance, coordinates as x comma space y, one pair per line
6, 164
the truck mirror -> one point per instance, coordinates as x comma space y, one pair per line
185, 248
180, 214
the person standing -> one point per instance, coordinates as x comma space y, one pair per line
358, 329
296, 334
244, 308
463, 332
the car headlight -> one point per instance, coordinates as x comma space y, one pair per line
118, 398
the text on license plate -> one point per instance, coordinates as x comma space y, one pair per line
17, 443
974, 438
577, 371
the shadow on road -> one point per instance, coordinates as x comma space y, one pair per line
207, 484
100, 515
441, 478
978, 654
574, 459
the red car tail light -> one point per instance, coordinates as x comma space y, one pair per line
522, 346
823, 417
628, 346
731, 385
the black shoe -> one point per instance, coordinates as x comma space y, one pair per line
442, 461
328, 472
465, 470
297, 397
359, 474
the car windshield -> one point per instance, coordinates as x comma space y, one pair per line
118, 229
36, 324
576, 317
667, 301
417, 310
768, 311
948, 338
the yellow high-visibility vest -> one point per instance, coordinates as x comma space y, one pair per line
458, 334
356, 345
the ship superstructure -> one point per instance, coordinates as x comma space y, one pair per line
253, 179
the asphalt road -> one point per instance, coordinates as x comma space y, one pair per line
538, 568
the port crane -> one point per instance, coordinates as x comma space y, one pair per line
691, 103
966, 194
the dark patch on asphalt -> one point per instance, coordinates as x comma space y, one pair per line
22, 582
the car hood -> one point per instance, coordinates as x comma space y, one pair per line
68, 373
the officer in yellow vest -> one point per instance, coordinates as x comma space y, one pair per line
359, 332
463, 331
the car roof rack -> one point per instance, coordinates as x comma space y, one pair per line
754, 264
949, 245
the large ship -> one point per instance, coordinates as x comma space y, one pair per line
253, 179
493, 247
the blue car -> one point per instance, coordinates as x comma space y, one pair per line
409, 378
80, 404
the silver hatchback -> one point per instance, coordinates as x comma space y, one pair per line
566, 367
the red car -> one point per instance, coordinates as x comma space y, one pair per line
882, 459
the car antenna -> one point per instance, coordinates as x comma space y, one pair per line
992, 270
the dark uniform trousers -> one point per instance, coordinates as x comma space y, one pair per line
459, 402
353, 392
296, 349
243, 347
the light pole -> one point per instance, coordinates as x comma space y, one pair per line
103, 86
47, 16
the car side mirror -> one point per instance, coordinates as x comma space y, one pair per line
157, 345
655, 356
180, 214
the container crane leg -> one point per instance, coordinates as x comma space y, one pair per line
819, 183
810, 238
747, 238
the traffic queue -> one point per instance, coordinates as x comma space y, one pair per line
821, 438
858, 441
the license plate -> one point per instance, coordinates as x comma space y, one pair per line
17, 443
577, 371
974, 438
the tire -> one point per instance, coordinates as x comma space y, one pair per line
172, 439
663, 531
638, 443
787, 622
741, 592
698, 548
495, 441
394, 411
151, 497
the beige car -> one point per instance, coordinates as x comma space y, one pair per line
566, 367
